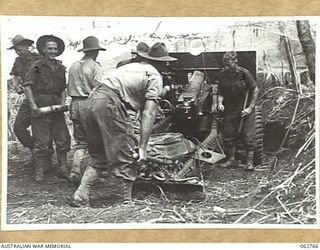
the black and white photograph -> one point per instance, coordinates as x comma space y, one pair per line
159, 122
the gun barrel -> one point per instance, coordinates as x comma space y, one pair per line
192, 69
195, 82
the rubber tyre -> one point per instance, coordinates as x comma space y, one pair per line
259, 134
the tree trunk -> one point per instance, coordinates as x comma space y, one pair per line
308, 46
290, 57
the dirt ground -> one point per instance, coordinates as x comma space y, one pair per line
232, 195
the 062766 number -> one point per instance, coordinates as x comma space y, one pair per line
309, 246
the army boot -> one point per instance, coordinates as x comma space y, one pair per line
125, 174
249, 160
63, 168
31, 160
41, 166
81, 196
76, 171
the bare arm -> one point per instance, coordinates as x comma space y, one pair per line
35, 111
254, 98
30, 98
165, 90
220, 96
220, 99
148, 117
16, 82
63, 97
220, 105
253, 93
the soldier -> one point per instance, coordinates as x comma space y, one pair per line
135, 116
45, 85
107, 125
81, 81
234, 83
141, 48
20, 67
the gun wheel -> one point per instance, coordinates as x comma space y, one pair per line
259, 134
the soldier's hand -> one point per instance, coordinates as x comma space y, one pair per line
246, 112
220, 107
18, 89
35, 112
15, 82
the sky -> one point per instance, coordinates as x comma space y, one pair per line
106, 29
112, 32
78, 26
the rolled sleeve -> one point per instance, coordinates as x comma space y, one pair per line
31, 76
15, 71
154, 87
250, 82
